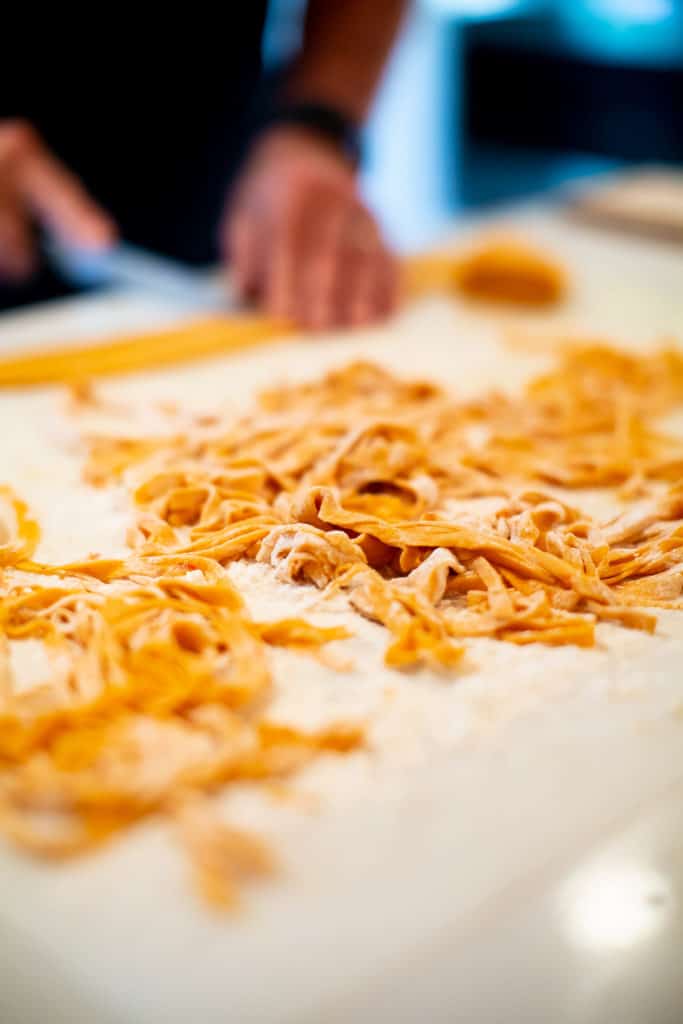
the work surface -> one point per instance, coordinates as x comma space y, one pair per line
511, 846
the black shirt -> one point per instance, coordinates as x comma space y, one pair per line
151, 117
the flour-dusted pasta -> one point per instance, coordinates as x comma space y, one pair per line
439, 518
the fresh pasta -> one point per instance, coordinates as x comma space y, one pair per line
441, 519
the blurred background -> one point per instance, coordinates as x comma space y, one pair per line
486, 101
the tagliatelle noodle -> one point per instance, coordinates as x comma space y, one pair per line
428, 513
19, 533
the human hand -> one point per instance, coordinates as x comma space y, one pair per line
299, 239
36, 188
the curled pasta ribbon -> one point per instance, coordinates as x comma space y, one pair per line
441, 520
158, 695
19, 533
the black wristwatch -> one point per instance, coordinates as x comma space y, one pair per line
327, 122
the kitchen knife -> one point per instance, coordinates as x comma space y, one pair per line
132, 267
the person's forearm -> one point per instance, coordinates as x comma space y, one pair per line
346, 43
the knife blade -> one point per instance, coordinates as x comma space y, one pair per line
129, 266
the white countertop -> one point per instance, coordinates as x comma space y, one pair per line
527, 870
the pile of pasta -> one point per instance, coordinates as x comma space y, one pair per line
439, 518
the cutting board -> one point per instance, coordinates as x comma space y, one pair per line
509, 846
